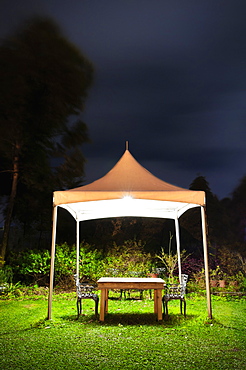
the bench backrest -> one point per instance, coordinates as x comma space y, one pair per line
176, 291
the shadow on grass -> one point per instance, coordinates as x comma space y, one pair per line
133, 319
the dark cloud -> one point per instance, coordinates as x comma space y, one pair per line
170, 78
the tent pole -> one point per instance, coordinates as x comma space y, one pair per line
52, 261
178, 246
77, 248
205, 250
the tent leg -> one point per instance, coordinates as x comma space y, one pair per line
52, 262
77, 248
205, 250
178, 247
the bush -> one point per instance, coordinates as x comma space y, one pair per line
30, 266
127, 260
91, 263
6, 275
65, 265
33, 267
229, 261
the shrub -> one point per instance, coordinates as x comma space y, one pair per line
33, 267
6, 275
229, 261
91, 262
191, 265
170, 262
128, 259
65, 265
30, 266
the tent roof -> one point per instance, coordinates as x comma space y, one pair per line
127, 178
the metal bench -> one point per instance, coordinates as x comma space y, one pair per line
175, 291
85, 290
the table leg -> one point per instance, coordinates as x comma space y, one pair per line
102, 304
155, 302
106, 301
159, 304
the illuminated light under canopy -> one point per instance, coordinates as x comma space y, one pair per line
127, 197
126, 206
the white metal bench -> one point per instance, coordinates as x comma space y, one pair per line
85, 291
175, 291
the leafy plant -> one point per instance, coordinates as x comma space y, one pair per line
216, 274
229, 261
31, 266
242, 260
13, 290
170, 259
128, 259
65, 263
91, 262
6, 275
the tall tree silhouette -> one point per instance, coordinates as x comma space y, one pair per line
238, 213
216, 215
218, 222
44, 80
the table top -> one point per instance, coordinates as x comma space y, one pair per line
130, 279
130, 283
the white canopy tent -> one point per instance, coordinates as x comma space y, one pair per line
128, 190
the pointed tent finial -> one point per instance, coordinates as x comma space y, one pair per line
127, 146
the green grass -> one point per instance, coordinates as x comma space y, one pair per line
130, 337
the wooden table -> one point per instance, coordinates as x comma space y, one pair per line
106, 283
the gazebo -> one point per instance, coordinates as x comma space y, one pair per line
128, 189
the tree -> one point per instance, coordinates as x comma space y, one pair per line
237, 209
218, 222
44, 81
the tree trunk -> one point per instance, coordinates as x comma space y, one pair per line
10, 205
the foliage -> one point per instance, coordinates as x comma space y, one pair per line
217, 215
6, 277
233, 283
243, 263
243, 284
237, 212
30, 266
44, 84
191, 265
170, 260
13, 290
229, 260
217, 274
91, 263
6, 274
33, 266
128, 259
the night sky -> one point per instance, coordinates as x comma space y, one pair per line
170, 78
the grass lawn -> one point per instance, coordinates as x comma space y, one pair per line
130, 337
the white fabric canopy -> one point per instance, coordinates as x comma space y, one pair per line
128, 190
